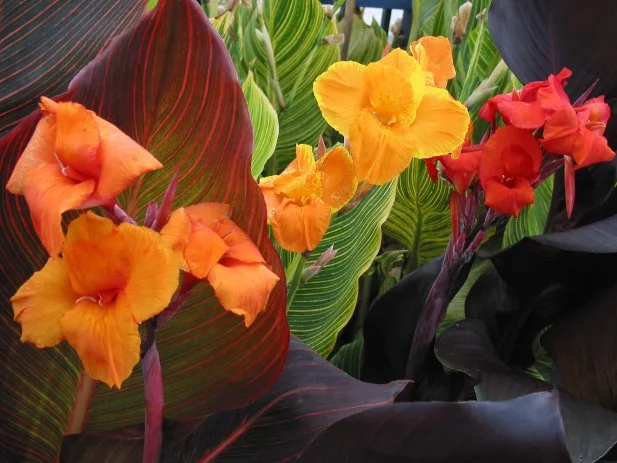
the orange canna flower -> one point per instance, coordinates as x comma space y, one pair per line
109, 279
510, 162
435, 56
529, 107
210, 246
302, 198
74, 160
579, 133
389, 114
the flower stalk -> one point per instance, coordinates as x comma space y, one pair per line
154, 394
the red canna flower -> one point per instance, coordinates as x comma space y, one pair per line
529, 107
510, 162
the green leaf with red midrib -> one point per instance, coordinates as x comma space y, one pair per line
38, 40
170, 85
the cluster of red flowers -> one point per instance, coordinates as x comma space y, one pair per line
539, 124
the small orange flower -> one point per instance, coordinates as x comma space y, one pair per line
435, 56
210, 246
510, 162
302, 198
74, 160
389, 114
109, 279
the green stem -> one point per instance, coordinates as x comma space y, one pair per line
293, 274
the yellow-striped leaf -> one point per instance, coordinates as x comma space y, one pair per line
367, 42
420, 217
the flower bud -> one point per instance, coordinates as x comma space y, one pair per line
459, 22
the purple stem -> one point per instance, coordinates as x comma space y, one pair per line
153, 389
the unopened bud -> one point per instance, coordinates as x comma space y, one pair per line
320, 263
321, 147
328, 10
334, 39
460, 21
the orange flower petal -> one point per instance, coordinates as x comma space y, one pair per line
341, 94
273, 200
203, 250
591, 148
176, 234
338, 177
249, 298
122, 160
39, 151
508, 199
41, 302
409, 68
77, 137
300, 228
440, 125
435, 57
379, 152
208, 213
49, 194
106, 340
240, 245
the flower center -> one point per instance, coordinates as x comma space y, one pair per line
103, 298
385, 118
68, 171
508, 181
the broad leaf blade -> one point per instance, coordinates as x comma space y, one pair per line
420, 217
322, 306
309, 396
193, 118
44, 43
367, 42
524, 429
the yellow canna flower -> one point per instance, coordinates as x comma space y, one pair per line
302, 198
389, 114
109, 279
435, 56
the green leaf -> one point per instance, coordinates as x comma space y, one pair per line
350, 357
420, 217
265, 125
424, 13
323, 305
532, 219
194, 119
284, 48
367, 42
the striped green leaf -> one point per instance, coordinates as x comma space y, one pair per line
424, 13
265, 124
420, 217
350, 358
532, 219
282, 44
322, 306
367, 42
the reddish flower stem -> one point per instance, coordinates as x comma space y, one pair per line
81, 406
155, 401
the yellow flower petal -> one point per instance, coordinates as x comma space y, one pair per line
106, 339
379, 152
41, 302
392, 97
409, 68
338, 177
440, 125
300, 228
341, 94
304, 162
250, 297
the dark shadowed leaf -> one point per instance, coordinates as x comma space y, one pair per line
44, 43
309, 396
590, 430
540, 37
170, 85
524, 429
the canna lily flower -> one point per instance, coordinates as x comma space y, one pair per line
529, 107
510, 162
389, 114
579, 133
74, 160
109, 279
302, 198
210, 246
435, 56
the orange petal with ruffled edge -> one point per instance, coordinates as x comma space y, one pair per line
250, 297
272, 198
338, 177
435, 56
106, 339
122, 160
508, 199
41, 302
240, 245
208, 213
49, 194
408, 67
440, 125
341, 94
300, 228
